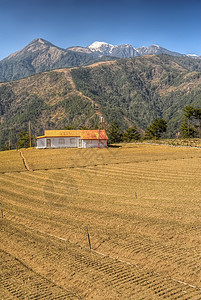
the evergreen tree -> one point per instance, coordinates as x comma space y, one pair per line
131, 134
156, 129
24, 139
187, 131
189, 112
198, 118
114, 133
191, 126
6, 147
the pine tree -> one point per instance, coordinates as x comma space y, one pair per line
131, 134
156, 129
187, 131
114, 133
189, 112
24, 139
198, 118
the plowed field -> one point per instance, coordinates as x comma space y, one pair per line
140, 204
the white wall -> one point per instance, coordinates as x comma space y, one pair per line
68, 142
64, 142
41, 143
58, 142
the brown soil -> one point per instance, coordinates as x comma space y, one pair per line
142, 209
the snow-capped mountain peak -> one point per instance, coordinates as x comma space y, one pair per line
98, 45
123, 50
193, 55
102, 47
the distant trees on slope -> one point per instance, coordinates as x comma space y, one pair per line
191, 126
154, 131
24, 139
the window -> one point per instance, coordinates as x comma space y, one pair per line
72, 141
61, 141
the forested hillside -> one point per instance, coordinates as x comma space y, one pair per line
137, 90
47, 100
131, 91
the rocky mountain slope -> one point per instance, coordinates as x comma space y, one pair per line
40, 56
132, 91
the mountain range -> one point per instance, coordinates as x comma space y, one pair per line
41, 55
122, 51
55, 88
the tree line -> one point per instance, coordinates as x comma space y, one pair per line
190, 128
154, 131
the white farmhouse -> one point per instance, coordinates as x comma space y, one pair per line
72, 139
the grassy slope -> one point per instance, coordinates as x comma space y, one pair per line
10, 161
140, 203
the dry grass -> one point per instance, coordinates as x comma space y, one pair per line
196, 142
64, 158
10, 161
142, 207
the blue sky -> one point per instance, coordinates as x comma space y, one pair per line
175, 25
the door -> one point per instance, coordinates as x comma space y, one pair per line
48, 143
80, 143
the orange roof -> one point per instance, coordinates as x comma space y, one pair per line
83, 134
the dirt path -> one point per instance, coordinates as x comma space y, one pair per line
25, 162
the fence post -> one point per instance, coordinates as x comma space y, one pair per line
135, 194
88, 238
1, 211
